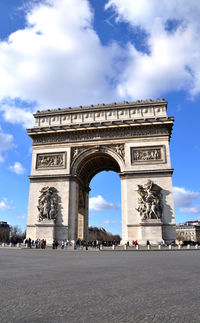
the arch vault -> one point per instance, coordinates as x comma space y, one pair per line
70, 146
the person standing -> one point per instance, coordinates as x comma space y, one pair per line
148, 244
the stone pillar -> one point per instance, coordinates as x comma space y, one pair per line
73, 209
86, 237
124, 210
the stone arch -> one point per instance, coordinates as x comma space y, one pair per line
86, 163
94, 160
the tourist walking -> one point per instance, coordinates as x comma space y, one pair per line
148, 244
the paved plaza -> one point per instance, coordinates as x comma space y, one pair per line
97, 286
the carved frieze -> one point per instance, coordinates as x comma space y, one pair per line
101, 113
149, 201
147, 154
50, 160
97, 135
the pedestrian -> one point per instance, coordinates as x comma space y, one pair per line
29, 242
62, 244
53, 244
148, 244
66, 244
56, 244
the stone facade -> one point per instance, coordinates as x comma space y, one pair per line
188, 231
70, 146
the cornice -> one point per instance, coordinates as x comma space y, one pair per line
57, 177
101, 125
92, 107
101, 115
157, 129
146, 173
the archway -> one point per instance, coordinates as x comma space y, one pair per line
88, 164
105, 207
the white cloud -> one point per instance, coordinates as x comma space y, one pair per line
17, 168
58, 58
184, 198
16, 115
55, 57
173, 61
6, 143
98, 203
193, 210
5, 204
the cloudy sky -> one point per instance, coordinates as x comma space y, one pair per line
59, 53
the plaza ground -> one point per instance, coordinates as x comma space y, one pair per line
97, 286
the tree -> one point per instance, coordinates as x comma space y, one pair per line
17, 233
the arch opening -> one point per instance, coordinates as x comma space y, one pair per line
85, 168
95, 163
105, 208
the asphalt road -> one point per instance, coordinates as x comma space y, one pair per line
95, 286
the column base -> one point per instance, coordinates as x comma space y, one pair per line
46, 230
151, 229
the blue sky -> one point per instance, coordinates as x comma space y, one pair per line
76, 52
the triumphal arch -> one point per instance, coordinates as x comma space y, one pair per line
72, 145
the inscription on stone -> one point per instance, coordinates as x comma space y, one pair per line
147, 154
55, 160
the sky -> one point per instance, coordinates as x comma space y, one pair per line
55, 54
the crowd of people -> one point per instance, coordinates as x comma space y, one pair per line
134, 243
80, 244
38, 243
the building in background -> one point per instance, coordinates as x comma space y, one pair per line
188, 231
100, 234
4, 231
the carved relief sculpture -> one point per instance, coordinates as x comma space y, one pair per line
119, 149
147, 154
76, 151
50, 160
150, 201
48, 203
153, 154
